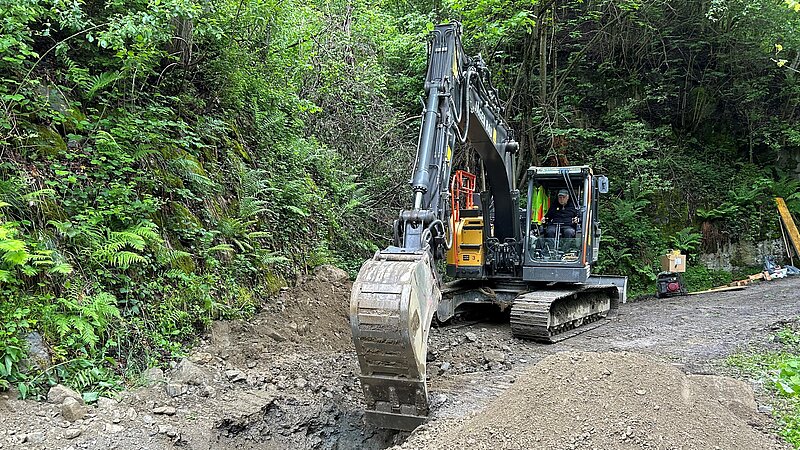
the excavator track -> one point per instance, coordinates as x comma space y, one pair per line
391, 307
551, 316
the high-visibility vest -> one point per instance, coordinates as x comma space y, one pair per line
539, 205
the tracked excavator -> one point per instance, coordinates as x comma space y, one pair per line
494, 250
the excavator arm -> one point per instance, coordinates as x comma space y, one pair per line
397, 292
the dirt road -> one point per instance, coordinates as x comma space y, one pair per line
288, 377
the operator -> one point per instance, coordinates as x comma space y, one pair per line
564, 214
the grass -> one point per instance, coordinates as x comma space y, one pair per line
779, 371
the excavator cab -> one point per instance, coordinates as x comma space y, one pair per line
559, 251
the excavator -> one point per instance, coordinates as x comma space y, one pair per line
490, 248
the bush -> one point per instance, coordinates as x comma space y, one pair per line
700, 278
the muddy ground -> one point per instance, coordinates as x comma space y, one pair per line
288, 377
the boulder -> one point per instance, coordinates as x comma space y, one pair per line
188, 372
38, 354
71, 410
330, 274
59, 392
153, 375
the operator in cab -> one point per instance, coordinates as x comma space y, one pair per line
562, 215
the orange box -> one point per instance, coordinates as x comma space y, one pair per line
673, 262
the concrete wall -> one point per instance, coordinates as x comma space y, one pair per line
741, 254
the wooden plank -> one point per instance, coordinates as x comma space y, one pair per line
788, 222
721, 289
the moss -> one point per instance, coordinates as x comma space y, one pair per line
167, 178
46, 141
182, 217
273, 284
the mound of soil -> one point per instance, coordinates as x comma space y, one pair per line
315, 313
312, 315
585, 400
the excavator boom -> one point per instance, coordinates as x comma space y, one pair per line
397, 292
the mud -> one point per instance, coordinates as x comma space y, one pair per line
288, 377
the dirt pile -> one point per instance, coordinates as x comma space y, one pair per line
313, 315
315, 312
586, 400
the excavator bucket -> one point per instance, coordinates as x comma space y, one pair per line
391, 307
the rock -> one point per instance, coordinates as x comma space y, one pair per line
169, 430
201, 358
277, 337
444, 367
106, 403
330, 274
131, 414
153, 375
641, 392
114, 429
471, 337
165, 410
72, 433
207, 391
176, 389
765, 409
148, 419
300, 383
494, 356
59, 392
438, 400
38, 355
188, 372
37, 437
72, 410
235, 375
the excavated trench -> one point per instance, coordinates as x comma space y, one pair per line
324, 426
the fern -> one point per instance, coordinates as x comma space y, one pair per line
189, 169
221, 248
686, 240
34, 197
99, 82
125, 259
172, 258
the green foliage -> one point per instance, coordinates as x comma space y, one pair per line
158, 171
166, 163
700, 278
788, 379
781, 370
686, 240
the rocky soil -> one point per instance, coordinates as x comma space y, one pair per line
588, 400
288, 379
